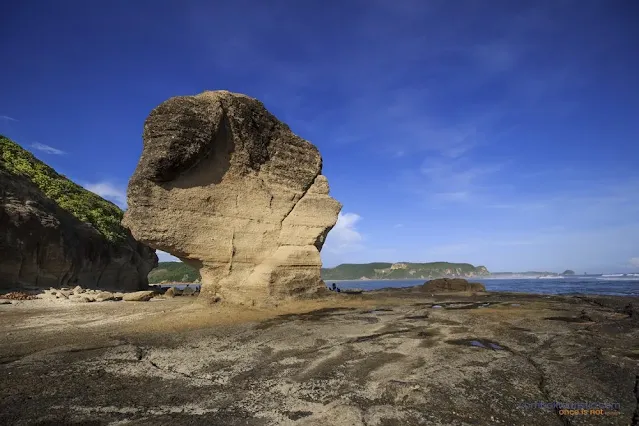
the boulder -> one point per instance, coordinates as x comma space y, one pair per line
230, 190
105, 296
450, 285
54, 233
188, 291
138, 296
170, 292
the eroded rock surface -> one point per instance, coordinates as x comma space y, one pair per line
384, 358
226, 187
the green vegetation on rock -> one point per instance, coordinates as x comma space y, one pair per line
568, 272
86, 206
402, 270
173, 272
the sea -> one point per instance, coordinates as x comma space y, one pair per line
607, 284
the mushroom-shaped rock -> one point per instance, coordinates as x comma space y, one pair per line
226, 187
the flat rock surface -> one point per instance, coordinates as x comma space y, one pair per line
380, 358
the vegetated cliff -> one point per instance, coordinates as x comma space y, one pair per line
403, 270
229, 189
55, 233
173, 272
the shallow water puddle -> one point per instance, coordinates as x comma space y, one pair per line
478, 343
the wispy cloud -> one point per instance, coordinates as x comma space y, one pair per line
441, 180
109, 191
47, 149
345, 236
7, 118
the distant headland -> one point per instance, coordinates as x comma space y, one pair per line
403, 270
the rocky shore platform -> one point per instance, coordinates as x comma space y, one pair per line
388, 357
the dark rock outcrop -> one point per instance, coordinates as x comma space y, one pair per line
449, 285
44, 245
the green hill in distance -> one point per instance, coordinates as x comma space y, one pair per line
170, 272
173, 272
402, 270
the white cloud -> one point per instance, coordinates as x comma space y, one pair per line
47, 149
635, 262
166, 257
7, 118
345, 237
109, 191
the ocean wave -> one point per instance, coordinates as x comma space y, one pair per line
612, 275
621, 278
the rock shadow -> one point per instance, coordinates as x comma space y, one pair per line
316, 315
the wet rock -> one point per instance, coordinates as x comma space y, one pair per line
188, 291
631, 310
448, 285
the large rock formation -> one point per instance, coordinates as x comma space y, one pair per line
54, 233
227, 188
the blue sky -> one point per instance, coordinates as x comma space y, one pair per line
492, 132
